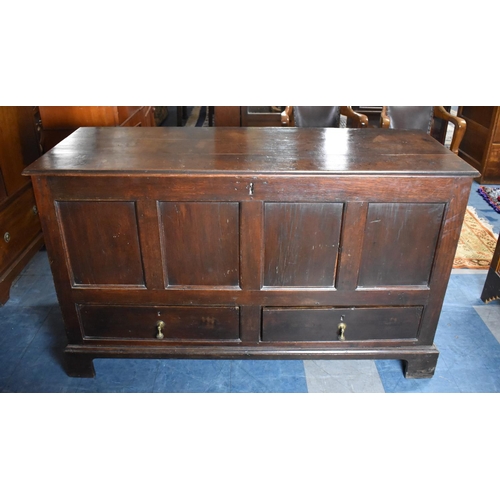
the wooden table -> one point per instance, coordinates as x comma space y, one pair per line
251, 242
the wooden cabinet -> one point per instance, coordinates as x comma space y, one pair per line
251, 242
20, 230
247, 116
481, 143
60, 121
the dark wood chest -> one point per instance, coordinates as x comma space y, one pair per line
258, 242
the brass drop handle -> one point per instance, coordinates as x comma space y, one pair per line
160, 325
341, 329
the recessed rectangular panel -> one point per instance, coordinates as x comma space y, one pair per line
102, 241
301, 244
400, 243
200, 243
290, 324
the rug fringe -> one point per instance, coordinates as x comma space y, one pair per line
484, 222
481, 191
476, 244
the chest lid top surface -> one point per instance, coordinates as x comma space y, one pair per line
227, 150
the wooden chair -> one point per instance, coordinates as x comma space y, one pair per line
320, 116
422, 118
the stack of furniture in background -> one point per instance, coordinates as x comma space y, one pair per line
60, 121
481, 144
25, 133
481, 149
20, 230
247, 116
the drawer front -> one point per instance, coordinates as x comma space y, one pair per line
322, 324
136, 322
19, 225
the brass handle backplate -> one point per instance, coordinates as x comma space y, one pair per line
159, 326
341, 329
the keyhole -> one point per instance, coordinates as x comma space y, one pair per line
250, 189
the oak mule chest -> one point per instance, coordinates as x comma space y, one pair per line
259, 242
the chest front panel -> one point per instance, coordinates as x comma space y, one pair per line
318, 248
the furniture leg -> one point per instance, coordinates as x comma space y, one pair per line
420, 365
79, 365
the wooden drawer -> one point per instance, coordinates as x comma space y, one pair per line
136, 322
19, 225
321, 324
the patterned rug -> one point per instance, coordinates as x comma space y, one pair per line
492, 196
476, 245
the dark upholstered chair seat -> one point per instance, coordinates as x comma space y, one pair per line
410, 117
422, 118
320, 116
